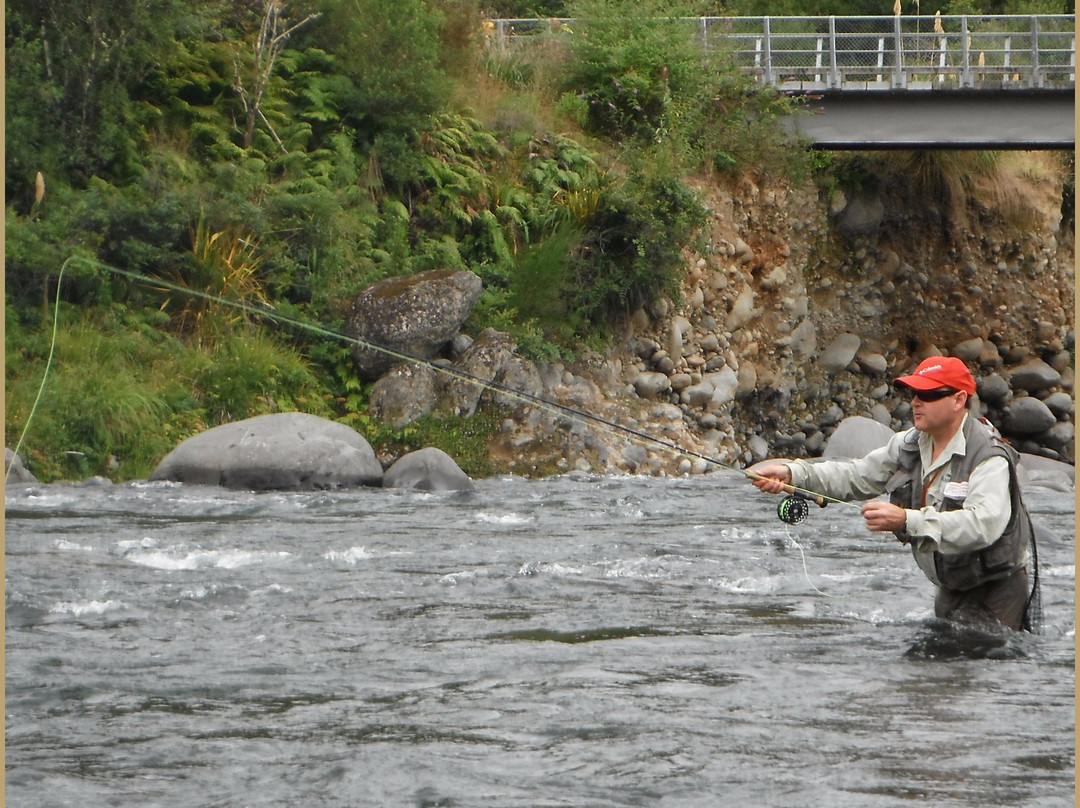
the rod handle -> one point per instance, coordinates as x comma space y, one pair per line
815, 498
788, 488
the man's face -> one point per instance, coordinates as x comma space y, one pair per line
935, 410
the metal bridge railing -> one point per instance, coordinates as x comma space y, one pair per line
870, 53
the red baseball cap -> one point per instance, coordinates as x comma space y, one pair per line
939, 371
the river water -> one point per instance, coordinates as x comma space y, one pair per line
573, 641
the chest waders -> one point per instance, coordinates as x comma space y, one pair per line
965, 571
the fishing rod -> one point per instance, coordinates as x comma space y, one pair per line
792, 510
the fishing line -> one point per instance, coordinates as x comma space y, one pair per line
802, 555
557, 408
48, 365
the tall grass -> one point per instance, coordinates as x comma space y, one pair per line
103, 405
249, 373
122, 393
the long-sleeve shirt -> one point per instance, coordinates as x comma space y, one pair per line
981, 521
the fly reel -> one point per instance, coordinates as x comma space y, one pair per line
793, 509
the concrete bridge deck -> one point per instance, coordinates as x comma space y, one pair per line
900, 82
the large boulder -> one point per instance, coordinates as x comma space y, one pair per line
415, 315
1027, 416
487, 359
1034, 470
403, 395
427, 469
283, 451
1034, 375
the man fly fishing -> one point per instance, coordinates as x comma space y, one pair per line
953, 497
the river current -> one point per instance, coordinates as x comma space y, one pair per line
572, 641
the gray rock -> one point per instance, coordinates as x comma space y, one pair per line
743, 311
415, 314
815, 443
880, 413
1043, 472
680, 327
856, 436
459, 345
840, 353
97, 481
644, 347
662, 363
1060, 403
1044, 331
427, 469
743, 254
990, 358
775, 279
634, 457
650, 384
1067, 379
521, 376
873, 364
404, 394
1028, 416
831, 416
861, 216
680, 381
14, 469
290, 451
804, 339
1034, 375
698, 395
880, 392
758, 447
1060, 437
747, 377
968, 350
486, 360
1061, 361
993, 389
725, 383
710, 343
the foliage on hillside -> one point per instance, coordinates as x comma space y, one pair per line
289, 155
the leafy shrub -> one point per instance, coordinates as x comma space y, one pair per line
638, 66
633, 250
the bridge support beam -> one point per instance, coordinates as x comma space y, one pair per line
937, 119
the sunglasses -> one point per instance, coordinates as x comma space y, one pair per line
933, 395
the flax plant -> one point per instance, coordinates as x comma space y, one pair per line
225, 268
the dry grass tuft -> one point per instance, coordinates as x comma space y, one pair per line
1017, 187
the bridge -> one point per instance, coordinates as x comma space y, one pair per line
899, 82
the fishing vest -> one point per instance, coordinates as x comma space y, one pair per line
965, 571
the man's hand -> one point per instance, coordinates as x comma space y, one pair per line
884, 516
771, 478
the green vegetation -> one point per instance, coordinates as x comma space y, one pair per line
288, 156
123, 390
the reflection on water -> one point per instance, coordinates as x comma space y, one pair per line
578, 641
